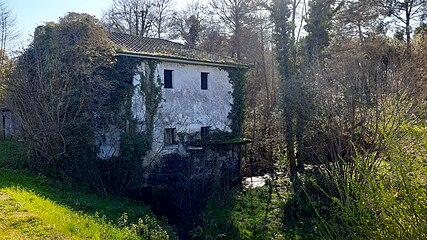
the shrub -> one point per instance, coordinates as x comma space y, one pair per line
386, 200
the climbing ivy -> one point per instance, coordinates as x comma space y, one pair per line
151, 90
134, 144
237, 77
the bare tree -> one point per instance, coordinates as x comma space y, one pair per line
161, 14
235, 15
188, 23
130, 16
7, 35
7, 31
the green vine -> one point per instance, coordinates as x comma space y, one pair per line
151, 89
237, 77
134, 144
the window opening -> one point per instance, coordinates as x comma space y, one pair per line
167, 76
170, 136
204, 81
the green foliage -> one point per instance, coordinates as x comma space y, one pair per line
317, 27
149, 228
135, 146
35, 207
208, 229
250, 214
380, 201
6, 69
120, 173
13, 154
282, 33
238, 80
59, 89
121, 75
151, 90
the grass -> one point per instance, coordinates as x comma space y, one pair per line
270, 212
35, 207
12, 154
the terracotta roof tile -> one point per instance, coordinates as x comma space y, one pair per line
164, 48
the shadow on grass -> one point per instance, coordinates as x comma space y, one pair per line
76, 199
245, 214
268, 212
13, 173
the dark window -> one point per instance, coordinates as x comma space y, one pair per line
170, 136
167, 78
204, 133
204, 80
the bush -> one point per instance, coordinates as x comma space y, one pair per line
384, 200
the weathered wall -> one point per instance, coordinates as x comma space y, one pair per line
9, 125
186, 106
214, 164
108, 140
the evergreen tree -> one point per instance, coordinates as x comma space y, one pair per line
318, 24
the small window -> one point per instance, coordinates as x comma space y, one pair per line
204, 81
204, 133
167, 78
170, 136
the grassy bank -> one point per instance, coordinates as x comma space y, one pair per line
35, 207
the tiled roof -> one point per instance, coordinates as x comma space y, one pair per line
155, 47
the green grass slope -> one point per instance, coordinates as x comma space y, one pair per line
35, 207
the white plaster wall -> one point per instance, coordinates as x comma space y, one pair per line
186, 106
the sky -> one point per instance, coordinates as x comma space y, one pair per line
31, 13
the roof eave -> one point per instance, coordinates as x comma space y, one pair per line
181, 60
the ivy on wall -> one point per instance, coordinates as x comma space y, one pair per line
151, 90
237, 77
134, 143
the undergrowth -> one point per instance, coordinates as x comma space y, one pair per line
253, 213
379, 195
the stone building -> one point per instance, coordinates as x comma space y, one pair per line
189, 104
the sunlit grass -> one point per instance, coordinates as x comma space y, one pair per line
27, 214
35, 207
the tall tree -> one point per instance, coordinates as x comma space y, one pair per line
358, 18
285, 46
406, 12
131, 16
319, 22
188, 23
7, 35
7, 29
161, 15
235, 14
